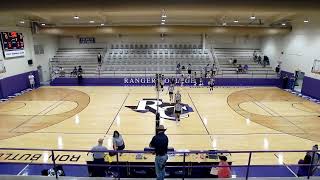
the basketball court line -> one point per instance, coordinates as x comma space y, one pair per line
277, 113
292, 104
33, 116
23, 169
286, 166
199, 115
115, 117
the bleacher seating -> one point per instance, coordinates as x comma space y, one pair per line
141, 59
243, 56
70, 57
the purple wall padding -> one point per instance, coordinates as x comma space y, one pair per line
17, 83
148, 81
311, 87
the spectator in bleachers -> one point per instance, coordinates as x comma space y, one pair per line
182, 79
178, 69
239, 69
74, 72
304, 170
245, 68
255, 56
206, 70
278, 69
62, 72
259, 59
189, 70
172, 81
265, 61
99, 58
224, 172
99, 69
230, 61
80, 71
234, 62
195, 78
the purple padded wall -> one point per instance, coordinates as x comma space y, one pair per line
17, 83
311, 87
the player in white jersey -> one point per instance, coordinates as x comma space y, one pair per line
211, 84
31, 80
162, 82
177, 111
182, 80
178, 97
171, 90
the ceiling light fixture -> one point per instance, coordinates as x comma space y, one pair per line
164, 16
76, 17
162, 23
283, 24
252, 17
102, 24
236, 21
21, 22
163, 20
306, 21
91, 21
43, 24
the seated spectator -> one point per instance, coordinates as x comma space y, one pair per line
62, 72
234, 62
239, 69
315, 158
118, 143
245, 68
224, 172
74, 72
265, 61
303, 170
259, 59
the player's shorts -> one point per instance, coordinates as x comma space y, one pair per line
177, 112
189, 71
170, 93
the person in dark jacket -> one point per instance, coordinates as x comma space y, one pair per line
304, 169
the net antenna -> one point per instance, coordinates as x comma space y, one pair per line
158, 89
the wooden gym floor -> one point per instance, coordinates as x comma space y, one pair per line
227, 119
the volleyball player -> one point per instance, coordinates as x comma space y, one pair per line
178, 97
177, 111
162, 82
170, 90
182, 80
211, 84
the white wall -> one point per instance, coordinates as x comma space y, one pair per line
224, 41
300, 47
50, 46
19, 65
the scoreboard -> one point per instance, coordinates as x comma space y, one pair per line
12, 44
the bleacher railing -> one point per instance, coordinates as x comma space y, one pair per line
184, 165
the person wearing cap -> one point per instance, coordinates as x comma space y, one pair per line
98, 158
160, 143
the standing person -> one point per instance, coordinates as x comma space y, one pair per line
178, 97
31, 80
99, 59
160, 143
285, 81
259, 59
278, 69
182, 80
98, 158
99, 69
211, 84
195, 78
80, 71
172, 81
224, 172
178, 68
118, 142
189, 70
162, 82
206, 70
177, 111
255, 56
171, 90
